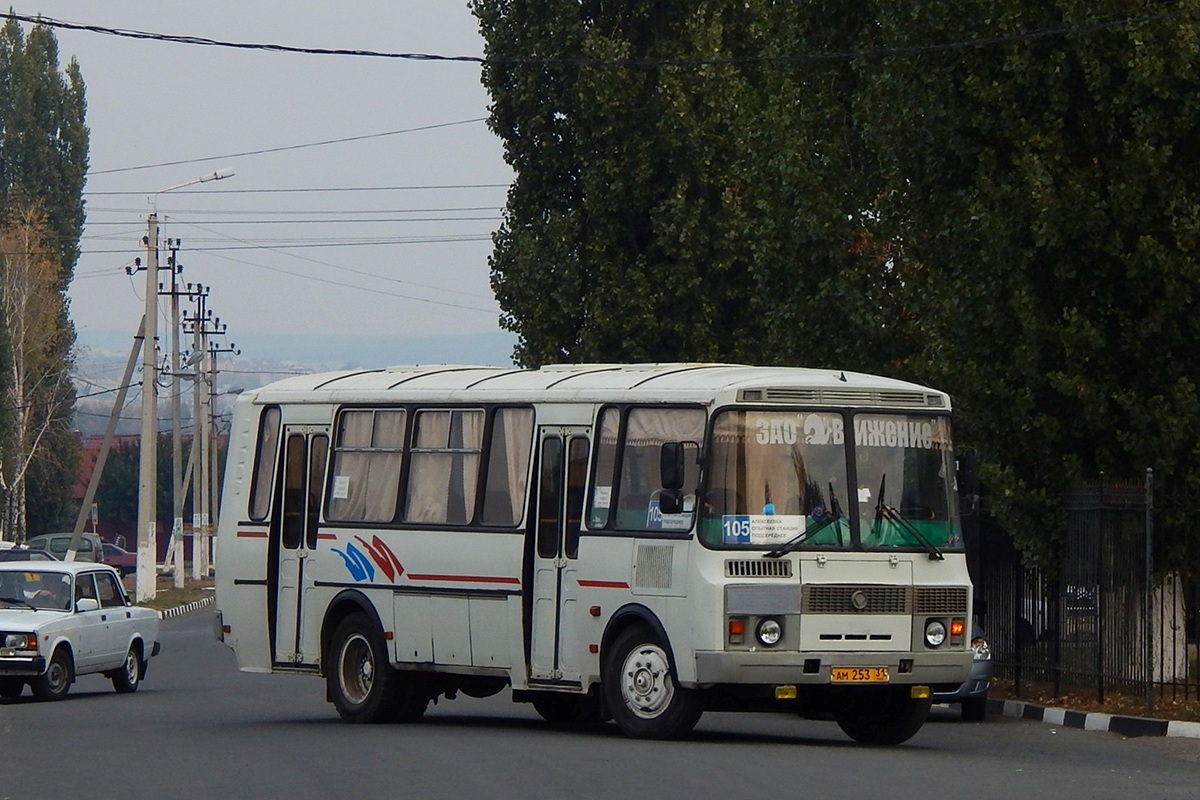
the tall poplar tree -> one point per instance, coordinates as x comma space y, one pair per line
43, 164
997, 198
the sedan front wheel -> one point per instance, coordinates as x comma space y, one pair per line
56, 681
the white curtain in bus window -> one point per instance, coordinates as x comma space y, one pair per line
508, 466
366, 466
905, 478
646, 431
443, 479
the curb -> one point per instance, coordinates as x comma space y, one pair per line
184, 609
1094, 720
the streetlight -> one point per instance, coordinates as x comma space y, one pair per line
147, 556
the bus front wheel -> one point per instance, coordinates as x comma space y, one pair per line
882, 716
642, 694
362, 684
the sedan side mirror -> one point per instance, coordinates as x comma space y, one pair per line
87, 604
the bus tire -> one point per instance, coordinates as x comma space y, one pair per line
362, 684
569, 710
643, 696
974, 709
883, 716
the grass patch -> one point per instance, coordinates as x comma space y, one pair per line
167, 596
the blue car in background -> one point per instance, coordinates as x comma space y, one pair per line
972, 695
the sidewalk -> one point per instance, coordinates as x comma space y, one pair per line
170, 601
1094, 720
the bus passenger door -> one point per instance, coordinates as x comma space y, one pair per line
294, 535
562, 467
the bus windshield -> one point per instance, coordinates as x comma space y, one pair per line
778, 480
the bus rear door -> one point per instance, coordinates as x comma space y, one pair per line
294, 536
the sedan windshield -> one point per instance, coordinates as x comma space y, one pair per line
39, 589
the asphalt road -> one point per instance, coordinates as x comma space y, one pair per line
198, 728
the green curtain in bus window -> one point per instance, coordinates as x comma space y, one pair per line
508, 466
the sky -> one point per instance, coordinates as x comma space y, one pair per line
365, 252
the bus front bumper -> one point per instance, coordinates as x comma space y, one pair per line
790, 667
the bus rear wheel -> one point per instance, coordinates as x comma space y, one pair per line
643, 696
569, 710
883, 716
362, 684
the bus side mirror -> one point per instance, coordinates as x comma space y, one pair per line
671, 465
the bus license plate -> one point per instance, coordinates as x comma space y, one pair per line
859, 674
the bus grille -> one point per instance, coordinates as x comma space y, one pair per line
839, 599
758, 568
941, 600
851, 397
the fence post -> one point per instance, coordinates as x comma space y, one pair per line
1148, 606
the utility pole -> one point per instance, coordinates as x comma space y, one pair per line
179, 482
147, 556
213, 435
204, 451
198, 323
147, 545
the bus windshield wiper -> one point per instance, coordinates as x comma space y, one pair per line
884, 511
831, 517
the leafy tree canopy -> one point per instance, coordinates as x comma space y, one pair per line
997, 198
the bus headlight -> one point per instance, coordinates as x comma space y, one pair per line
935, 632
769, 632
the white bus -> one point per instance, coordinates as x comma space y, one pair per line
637, 543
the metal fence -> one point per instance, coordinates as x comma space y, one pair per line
1117, 614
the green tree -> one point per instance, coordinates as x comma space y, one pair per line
996, 198
43, 164
624, 232
1049, 218
35, 389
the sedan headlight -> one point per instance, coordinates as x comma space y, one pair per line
981, 648
935, 632
20, 641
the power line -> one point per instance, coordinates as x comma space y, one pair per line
329, 243
311, 189
1092, 26
343, 285
350, 220
285, 147
364, 273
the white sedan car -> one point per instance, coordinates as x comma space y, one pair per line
59, 620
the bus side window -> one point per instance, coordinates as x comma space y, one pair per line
264, 463
549, 498
508, 466
645, 432
577, 457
